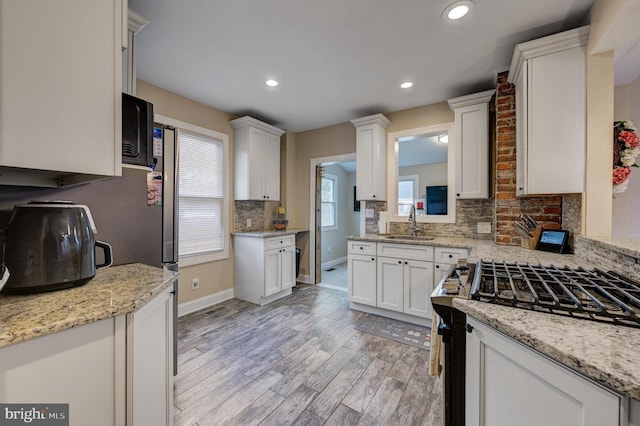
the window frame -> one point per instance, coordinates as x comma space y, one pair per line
221, 254
333, 178
416, 190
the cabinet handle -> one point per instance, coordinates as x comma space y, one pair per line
450, 256
457, 195
373, 258
437, 266
406, 263
361, 248
520, 189
374, 196
469, 328
399, 262
280, 242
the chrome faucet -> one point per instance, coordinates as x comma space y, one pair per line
412, 219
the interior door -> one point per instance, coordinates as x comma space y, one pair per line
318, 228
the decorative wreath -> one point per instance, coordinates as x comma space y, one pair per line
626, 147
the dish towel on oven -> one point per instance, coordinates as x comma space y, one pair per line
436, 345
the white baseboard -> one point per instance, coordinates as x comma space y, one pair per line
204, 302
334, 262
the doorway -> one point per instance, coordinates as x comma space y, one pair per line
334, 215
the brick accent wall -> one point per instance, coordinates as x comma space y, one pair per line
543, 209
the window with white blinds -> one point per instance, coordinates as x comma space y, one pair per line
201, 177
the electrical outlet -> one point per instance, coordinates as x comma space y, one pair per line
248, 223
484, 227
369, 213
195, 283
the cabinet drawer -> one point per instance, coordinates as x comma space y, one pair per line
406, 251
362, 247
279, 242
450, 254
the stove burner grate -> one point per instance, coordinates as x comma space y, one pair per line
596, 295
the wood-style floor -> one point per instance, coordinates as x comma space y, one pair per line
298, 361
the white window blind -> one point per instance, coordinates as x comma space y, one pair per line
329, 202
201, 194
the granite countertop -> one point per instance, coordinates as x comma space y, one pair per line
484, 249
605, 353
113, 291
270, 233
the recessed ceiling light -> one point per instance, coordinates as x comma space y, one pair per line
443, 138
406, 85
271, 83
457, 10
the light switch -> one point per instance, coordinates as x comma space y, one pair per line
248, 223
369, 213
484, 227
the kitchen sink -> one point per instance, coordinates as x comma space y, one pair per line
409, 237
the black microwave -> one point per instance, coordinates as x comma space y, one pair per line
137, 131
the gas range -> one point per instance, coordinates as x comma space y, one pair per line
595, 295
591, 295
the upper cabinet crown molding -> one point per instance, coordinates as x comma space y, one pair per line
471, 143
378, 119
246, 120
469, 100
546, 46
136, 22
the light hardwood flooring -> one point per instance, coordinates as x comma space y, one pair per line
298, 361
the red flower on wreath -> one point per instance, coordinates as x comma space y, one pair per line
620, 174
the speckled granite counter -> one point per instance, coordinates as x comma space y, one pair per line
271, 233
607, 354
484, 249
113, 291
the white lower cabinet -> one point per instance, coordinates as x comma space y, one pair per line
510, 384
405, 285
362, 278
264, 268
150, 362
444, 257
392, 279
115, 371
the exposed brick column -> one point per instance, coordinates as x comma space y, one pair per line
544, 210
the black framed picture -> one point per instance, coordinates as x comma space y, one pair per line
356, 204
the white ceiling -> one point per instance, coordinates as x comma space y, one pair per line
336, 60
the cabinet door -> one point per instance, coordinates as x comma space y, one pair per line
256, 170
66, 77
390, 284
510, 384
288, 267
418, 286
557, 122
362, 279
521, 132
272, 167
472, 151
78, 366
440, 272
272, 274
150, 362
371, 163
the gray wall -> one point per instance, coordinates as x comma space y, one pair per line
119, 209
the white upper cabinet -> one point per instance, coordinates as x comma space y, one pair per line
135, 22
371, 157
550, 79
472, 144
257, 159
60, 86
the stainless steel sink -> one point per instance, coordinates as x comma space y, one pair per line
408, 237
